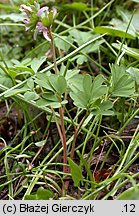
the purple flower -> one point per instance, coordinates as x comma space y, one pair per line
40, 11
26, 21
41, 28
46, 9
40, 21
26, 9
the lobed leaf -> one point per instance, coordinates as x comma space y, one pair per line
122, 83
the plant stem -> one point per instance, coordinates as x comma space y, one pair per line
75, 137
61, 130
53, 50
65, 169
63, 139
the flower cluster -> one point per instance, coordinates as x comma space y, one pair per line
39, 19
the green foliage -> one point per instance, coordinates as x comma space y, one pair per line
54, 86
5, 79
54, 83
81, 37
61, 44
121, 84
37, 62
41, 194
102, 108
58, 84
42, 81
12, 17
16, 91
134, 72
75, 6
130, 194
89, 93
80, 59
119, 27
114, 31
40, 143
31, 96
133, 52
76, 172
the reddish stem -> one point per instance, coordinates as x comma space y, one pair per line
61, 130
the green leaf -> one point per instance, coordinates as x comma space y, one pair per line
49, 96
84, 163
81, 37
5, 80
42, 103
26, 61
42, 81
50, 16
81, 59
134, 72
87, 92
22, 156
75, 83
37, 62
40, 143
13, 92
45, 21
15, 17
130, 194
118, 27
58, 104
102, 108
122, 83
64, 102
24, 68
133, 52
75, 6
28, 96
98, 90
79, 99
137, 1
58, 83
12, 73
114, 32
31, 197
41, 194
105, 105
30, 83
61, 85
76, 172
87, 86
127, 15
69, 73
62, 44
44, 84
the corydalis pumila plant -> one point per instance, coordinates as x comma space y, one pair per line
39, 19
